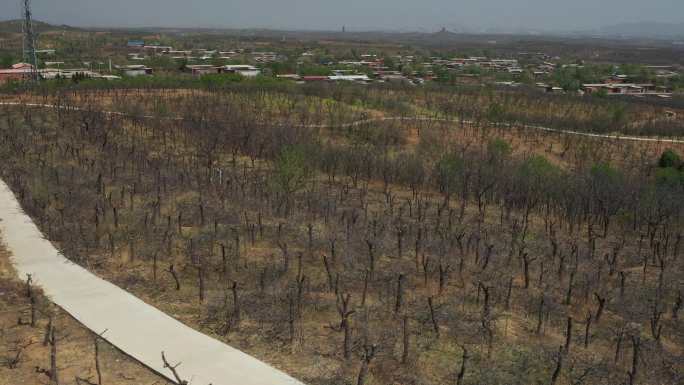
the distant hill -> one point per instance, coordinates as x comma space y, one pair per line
645, 29
14, 26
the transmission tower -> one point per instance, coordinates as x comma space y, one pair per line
29, 38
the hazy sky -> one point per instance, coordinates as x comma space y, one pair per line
355, 14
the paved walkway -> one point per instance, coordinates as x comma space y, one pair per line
136, 328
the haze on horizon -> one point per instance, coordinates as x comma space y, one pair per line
396, 15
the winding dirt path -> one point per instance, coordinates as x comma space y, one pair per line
373, 120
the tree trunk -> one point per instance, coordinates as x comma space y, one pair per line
568, 336
559, 366
54, 379
400, 294
405, 345
435, 326
464, 361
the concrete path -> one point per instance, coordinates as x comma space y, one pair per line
136, 328
382, 119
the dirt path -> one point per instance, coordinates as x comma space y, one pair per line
382, 119
138, 329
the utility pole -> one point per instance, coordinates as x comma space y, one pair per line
29, 39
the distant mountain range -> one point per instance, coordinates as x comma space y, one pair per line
14, 26
645, 29
650, 30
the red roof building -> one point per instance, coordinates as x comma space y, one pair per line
19, 72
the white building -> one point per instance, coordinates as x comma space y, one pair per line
136, 70
245, 70
350, 78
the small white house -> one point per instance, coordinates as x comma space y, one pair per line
245, 70
350, 78
136, 70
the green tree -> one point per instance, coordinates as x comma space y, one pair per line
161, 62
219, 80
6, 60
636, 72
496, 112
498, 150
669, 158
677, 82
669, 176
538, 172
448, 169
218, 62
605, 172
291, 170
314, 70
602, 93
472, 70
389, 62
407, 70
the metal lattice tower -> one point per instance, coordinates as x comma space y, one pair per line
29, 38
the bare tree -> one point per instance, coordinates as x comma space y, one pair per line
173, 370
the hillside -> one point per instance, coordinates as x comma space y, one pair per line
394, 253
10, 26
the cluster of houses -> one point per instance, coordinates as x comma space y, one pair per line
512, 67
367, 68
364, 68
345, 75
507, 65
245, 70
143, 51
23, 72
617, 84
377, 64
371, 68
620, 88
622, 84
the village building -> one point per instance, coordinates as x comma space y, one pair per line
13, 75
350, 78
134, 70
289, 77
265, 57
245, 70
393, 78
57, 73
158, 48
203, 69
619, 88
17, 73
